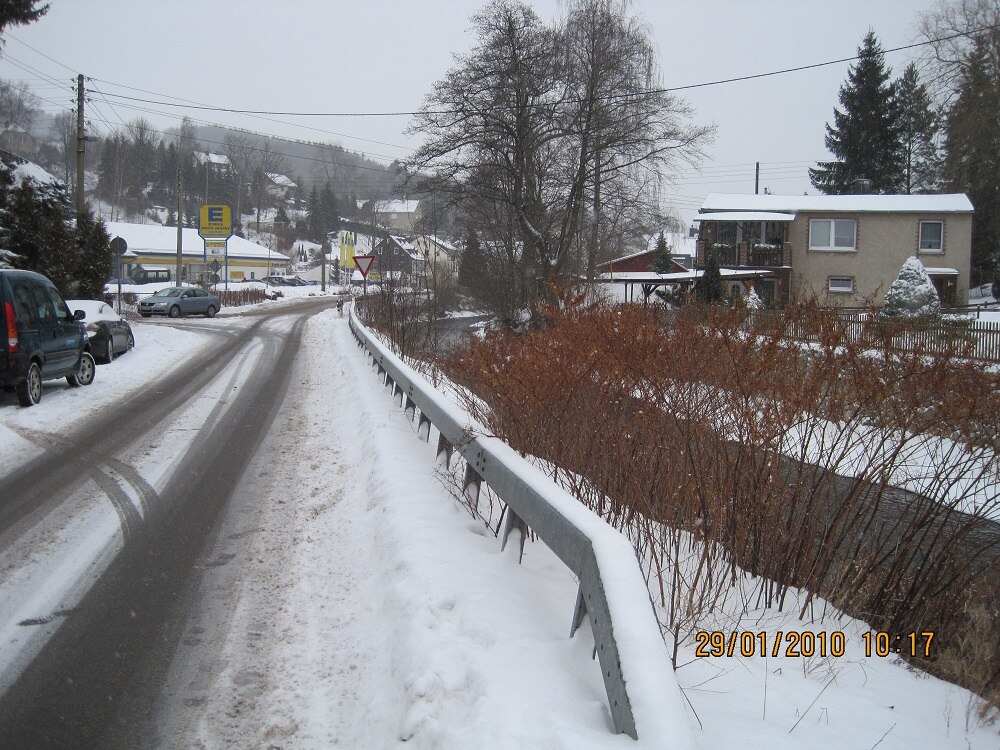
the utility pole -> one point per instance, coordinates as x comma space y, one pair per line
180, 214
80, 140
756, 180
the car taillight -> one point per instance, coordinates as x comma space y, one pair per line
8, 313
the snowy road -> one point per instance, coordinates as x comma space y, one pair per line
194, 586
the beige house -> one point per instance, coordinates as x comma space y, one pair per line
398, 215
843, 249
438, 253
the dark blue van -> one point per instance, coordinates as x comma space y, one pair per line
43, 340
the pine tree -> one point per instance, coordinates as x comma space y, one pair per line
709, 287
918, 127
20, 12
865, 137
314, 222
972, 157
93, 256
329, 210
472, 267
662, 262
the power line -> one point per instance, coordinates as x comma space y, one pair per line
192, 104
609, 97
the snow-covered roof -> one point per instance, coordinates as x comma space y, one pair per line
158, 239
35, 172
396, 207
651, 277
280, 180
950, 203
404, 243
744, 216
219, 160
443, 244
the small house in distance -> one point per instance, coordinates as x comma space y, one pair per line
153, 255
678, 244
843, 249
400, 216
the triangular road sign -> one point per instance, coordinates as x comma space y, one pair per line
364, 264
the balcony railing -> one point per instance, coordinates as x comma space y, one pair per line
746, 254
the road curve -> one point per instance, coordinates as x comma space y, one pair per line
92, 651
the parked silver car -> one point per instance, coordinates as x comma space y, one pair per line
176, 301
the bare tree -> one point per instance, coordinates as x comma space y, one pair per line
239, 150
541, 119
264, 163
18, 106
64, 131
953, 29
137, 163
494, 115
630, 130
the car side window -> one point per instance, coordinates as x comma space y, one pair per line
43, 305
24, 307
63, 315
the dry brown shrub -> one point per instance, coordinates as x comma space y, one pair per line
718, 443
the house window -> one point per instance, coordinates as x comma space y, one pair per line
840, 285
725, 233
931, 236
833, 234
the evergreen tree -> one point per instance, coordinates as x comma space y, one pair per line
314, 220
8, 257
20, 12
708, 288
917, 132
39, 234
662, 262
108, 175
93, 256
972, 157
911, 295
865, 137
472, 267
329, 210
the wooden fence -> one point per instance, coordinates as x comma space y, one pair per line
970, 337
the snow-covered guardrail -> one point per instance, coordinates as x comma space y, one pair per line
643, 696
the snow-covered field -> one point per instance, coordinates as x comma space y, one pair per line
374, 611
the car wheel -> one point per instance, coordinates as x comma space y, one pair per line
109, 356
130, 345
210, 312
29, 390
84, 374
175, 312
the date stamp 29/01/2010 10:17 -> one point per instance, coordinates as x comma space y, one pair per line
808, 643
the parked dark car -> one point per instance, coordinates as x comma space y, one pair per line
110, 334
176, 301
44, 340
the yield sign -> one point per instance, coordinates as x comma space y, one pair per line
364, 264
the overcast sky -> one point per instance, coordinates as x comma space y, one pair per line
372, 56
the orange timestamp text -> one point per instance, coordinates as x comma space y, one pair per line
791, 643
